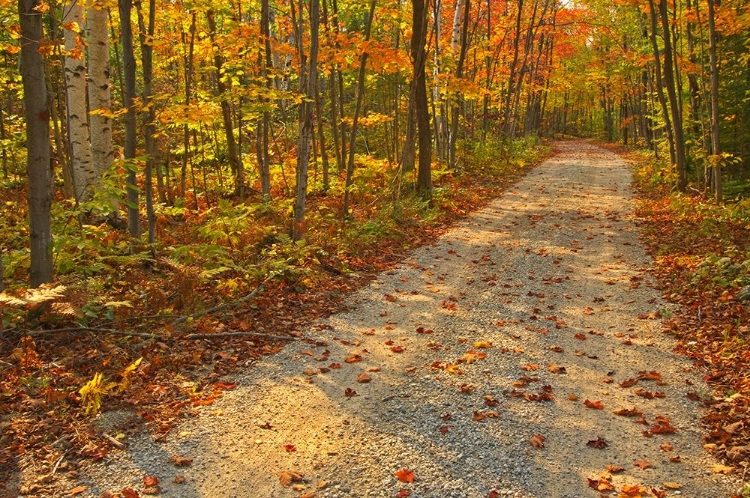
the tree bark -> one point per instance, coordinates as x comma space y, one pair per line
669, 80
37, 142
128, 90
146, 37
306, 119
421, 106
226, 109
99, 91
715, 142
77, 111
357, 109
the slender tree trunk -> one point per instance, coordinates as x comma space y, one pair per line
715, 142
669, 79
421, 107
77, 110
226, 109
146, 37
37, 142
126, 36
358, 107
99, 91
455, 111
264, 164
306, 118
660, 83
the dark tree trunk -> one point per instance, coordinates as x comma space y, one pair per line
421, 107
37, 142
128, 91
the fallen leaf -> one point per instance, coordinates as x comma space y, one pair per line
299, 487
290, 448
614, 469
179, 479
403, 493
397, 349
490, 400
643, 464
530, 367
444, 429
675, 459
349, 392
77, 490
288, 477
180, 461
722, 469
556, 349
537, 441
580, 336
478, 416
468, 388
599, 443
628, 412
363, 378
150, 480
353, 359
482, 344
334, 366
628, 383
631, 491
572, 397
129, 493
310, 371
595, 405
667, 446
558, 369
405, 475
672, 485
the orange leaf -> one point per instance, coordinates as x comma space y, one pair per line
150, 481
596, 405
643, 464
537, 441
353, 358
405, 475
397, 349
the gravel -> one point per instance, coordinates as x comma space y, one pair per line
551, 274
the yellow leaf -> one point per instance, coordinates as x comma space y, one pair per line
722, 469
482, 344
672, 485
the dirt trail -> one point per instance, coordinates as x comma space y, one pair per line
553, 276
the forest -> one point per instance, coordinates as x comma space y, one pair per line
183, 178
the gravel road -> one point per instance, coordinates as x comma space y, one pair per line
487, 364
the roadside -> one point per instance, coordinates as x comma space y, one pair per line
520, 355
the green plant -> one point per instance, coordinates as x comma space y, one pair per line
93, 391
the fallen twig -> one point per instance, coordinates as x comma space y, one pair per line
117, 444
239, 334
35, 333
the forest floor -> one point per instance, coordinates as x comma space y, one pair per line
521, 354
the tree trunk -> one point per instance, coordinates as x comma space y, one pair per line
669, 80
459, 74
128, 90
99, 91
264, 164
77, 111
357, 109
715, 143
306, 118
146, 37
37, 142
421, 107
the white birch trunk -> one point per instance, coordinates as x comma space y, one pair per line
97, 35
75, 89
456, 31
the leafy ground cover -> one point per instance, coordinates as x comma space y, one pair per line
702, 261
158, 335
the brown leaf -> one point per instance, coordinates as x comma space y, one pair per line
403, 493
537, 441
287, 477
628, 412
150, 480
468, 388
628, 383
614, 469
349, 392
363, 378
180, 461
129, 493
405, 475
558, 369
397, 349
353, 359
643, 464
595, 405
530, 367
667, 446
77, 490
599, 443
290, 448
580, 336
478, 416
